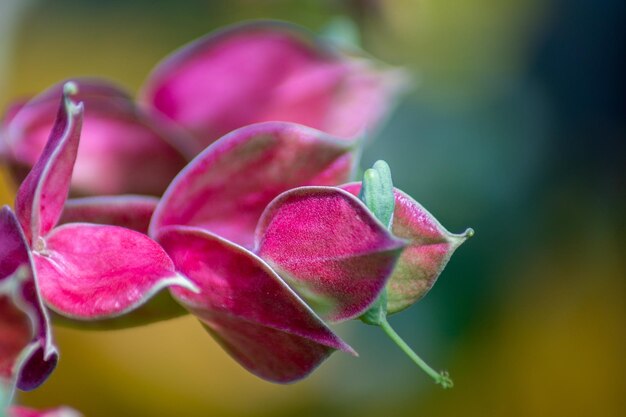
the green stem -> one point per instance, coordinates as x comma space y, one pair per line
440, 378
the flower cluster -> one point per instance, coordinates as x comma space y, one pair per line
223, 188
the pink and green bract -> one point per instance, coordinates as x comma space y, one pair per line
429, 249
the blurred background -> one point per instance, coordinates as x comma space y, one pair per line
515, 127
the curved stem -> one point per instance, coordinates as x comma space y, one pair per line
440, 378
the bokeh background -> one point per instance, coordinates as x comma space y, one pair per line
515, 127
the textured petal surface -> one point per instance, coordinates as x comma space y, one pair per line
27, 354
253, 314
430, 248
267, 71
89, 272
227, 187
129, 211
16, 411
328, 246
122, 150
41, 196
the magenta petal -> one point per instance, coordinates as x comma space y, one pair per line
27, 353
129, 211
328, 246
16, 411
429, 250
122, 150
89, 272
41, 196
226, 188
253, 314
267, 71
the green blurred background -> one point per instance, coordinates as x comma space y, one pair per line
515, 128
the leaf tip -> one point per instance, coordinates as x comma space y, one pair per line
458, 240
70, 90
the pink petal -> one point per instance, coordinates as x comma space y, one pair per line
16, 411
430, 248
90, 272
328, 246
267, 71
122, 150
27, 353
226, 188
41, 196
129, 211
367, 97
16, 333
252, 313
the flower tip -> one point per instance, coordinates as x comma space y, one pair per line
70, 88
371, 175
348, 349
468, 233
382, 166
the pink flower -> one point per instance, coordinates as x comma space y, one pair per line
84, 271
269, 71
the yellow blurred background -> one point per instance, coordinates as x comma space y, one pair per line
515, 128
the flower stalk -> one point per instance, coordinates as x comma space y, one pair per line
377, 193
